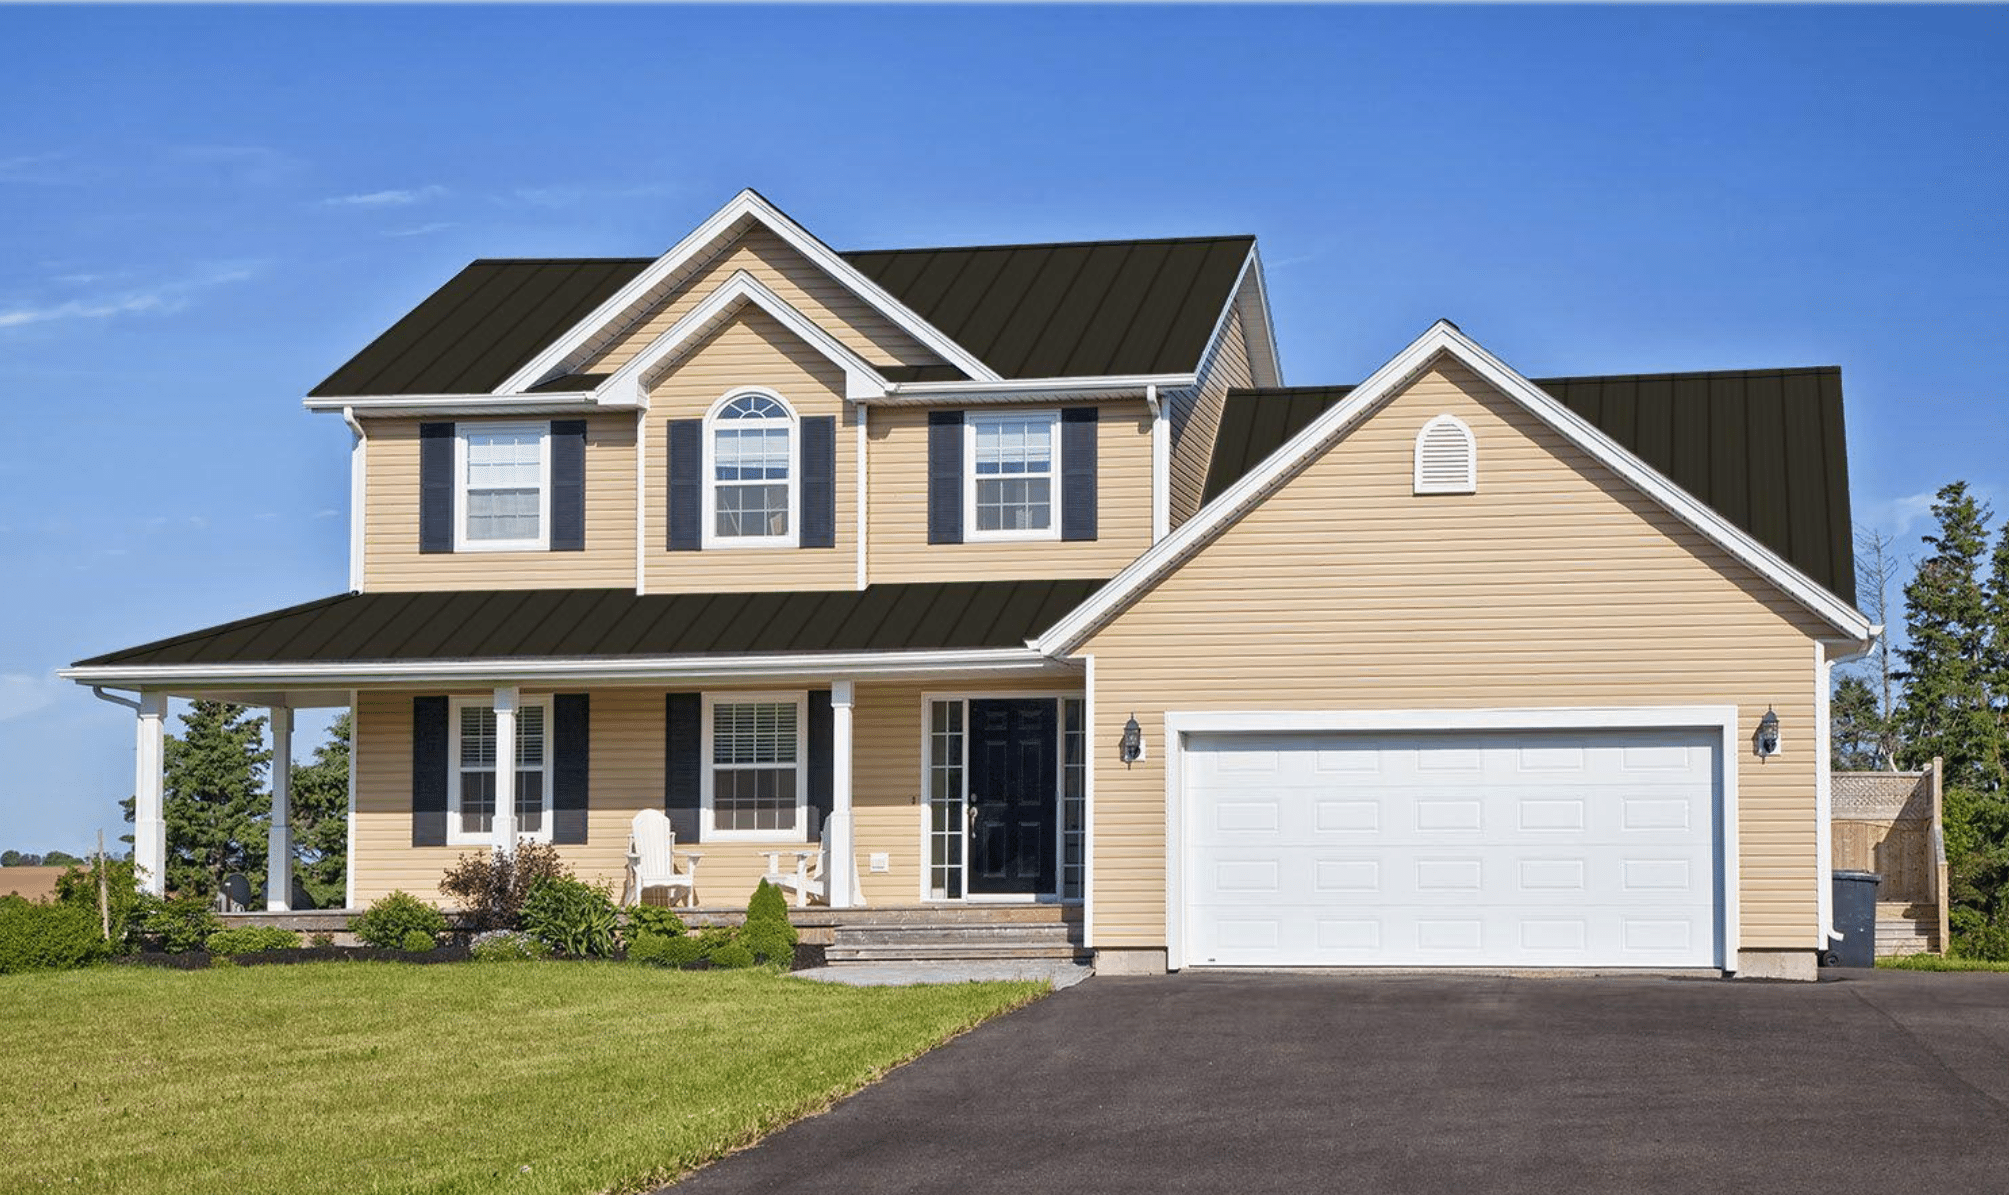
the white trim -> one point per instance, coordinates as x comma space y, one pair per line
840, 865
455, 836
1441, 338
1266, 368
1110, 386
1721, 718
708, 483
712, 832
1161, 464
641, 500
359, 480
349, 846
971, 421
279, 827
553, 402
1088, 757
1469, 484
721, 225
863, 499
1824, 893
461, 511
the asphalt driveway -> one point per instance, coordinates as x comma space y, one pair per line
1307, 1083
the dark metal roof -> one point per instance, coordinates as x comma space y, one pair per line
1028, 311
614, 623
1764, 448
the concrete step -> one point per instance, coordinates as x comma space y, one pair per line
894, 934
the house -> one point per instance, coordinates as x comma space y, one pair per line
1018, 575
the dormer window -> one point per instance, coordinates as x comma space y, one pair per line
751, 488
1447, 457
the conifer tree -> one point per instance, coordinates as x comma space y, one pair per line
217, 805
321, 818
1855, 728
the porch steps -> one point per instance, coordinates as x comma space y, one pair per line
968, 935
1906, 928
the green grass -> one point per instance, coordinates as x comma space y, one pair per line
379, 1077
1936, 962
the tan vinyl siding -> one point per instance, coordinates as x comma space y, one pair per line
1555, 585
828, 303
391, 556
1195, 415
751, 349
897, 544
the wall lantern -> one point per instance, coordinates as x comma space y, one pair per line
1766, 742
1133, 741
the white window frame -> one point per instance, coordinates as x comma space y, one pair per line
1470, 482
713, 832
710, 483
455, 835
970, 423
461, 541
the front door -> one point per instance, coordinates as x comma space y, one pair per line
1012, 796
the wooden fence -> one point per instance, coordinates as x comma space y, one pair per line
1889, 823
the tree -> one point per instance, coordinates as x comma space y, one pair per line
61, 859
17, 859
321, 818
1877, 570
1855, 728
217, 805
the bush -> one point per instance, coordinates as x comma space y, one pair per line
662, 950
654, 919
732, 956
181, 923
1976, 937
767, 934
507, 946
321, 941
417, 941
37, 937
571, 917
489, 887
251, 939
392, 919
127, 905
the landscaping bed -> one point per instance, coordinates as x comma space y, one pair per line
806, 956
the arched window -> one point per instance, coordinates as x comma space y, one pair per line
1447, 457
750, 486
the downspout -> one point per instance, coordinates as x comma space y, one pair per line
1161, 465
864, 496
358, 479
98, 691
1824, 806
641, 498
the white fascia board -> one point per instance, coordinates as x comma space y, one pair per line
747, 205
627, 386
552, 402
1114, 386
1266, 365
1442, 338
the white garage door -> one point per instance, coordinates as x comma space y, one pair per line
1525, 848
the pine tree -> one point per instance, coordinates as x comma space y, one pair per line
1995, 658
1855, 728
321, 819
1947, 711
217, 805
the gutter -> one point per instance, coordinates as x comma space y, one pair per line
1021, 389
461, 404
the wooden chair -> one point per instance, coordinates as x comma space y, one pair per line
652, 859
811, 878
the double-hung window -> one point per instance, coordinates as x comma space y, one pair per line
1014, 459
471, 791
505, 487
750, 482
753, 782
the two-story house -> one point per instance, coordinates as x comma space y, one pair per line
1017, 575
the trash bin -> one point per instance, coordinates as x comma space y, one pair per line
1855, 920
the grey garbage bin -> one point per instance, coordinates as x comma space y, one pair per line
1855, 920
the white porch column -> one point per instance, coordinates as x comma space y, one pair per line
149, 798
279, 841
505, 769
841, 868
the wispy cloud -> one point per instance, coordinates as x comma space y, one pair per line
22, 694
166, 297
1897, 516
49, 168
392, 198
420, 230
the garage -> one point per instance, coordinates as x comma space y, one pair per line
1549, 847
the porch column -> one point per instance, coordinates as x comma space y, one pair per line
841, 868
279, 842
505, 769
149, 800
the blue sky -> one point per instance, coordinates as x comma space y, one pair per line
204, 211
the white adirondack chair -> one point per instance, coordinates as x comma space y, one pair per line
811, 878
652, 859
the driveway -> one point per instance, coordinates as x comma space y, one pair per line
1307, 1083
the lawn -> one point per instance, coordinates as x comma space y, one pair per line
1938, 962
381, 1077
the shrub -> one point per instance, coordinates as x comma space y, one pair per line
767, 934
38, 937
389, 921
251, 939
489, 887
732, 956
127, 905
654, 919
417, 941
321, 941
507, 946
660, 950
572, 917
181, 923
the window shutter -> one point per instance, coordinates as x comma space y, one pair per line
568, 485
571, 749
821, 769
945, 477
819, 481
430, 755
1077, 472
436, 487
685, 463
683, 763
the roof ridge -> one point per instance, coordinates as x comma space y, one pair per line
1191, 240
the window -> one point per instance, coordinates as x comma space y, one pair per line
750, 491
1447, 457
1012, 470
755, 787
471, 782
505, 474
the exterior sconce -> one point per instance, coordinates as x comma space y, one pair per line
1766, 741
1133, 742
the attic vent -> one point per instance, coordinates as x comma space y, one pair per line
1447, 457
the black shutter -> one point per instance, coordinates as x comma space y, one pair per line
1077, 473
821, 782
683, 763
571, 749
819, 482
685, 462
568, 485
436, 487
945, 477
429, 764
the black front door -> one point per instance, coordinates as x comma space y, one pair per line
1012, 796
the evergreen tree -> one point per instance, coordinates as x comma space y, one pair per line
1947, 710
217, 805
1855, 728
321, 819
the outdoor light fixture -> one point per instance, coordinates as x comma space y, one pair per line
1767, 741
1133, 741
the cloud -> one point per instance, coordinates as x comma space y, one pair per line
419, 230
552, 197
1897, 516
327, 514
22, 694
45, 169
164, 298
403, 198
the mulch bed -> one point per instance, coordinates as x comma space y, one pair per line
806, 956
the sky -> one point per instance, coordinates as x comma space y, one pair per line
204, 211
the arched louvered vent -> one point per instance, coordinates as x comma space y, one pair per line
1447, 457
